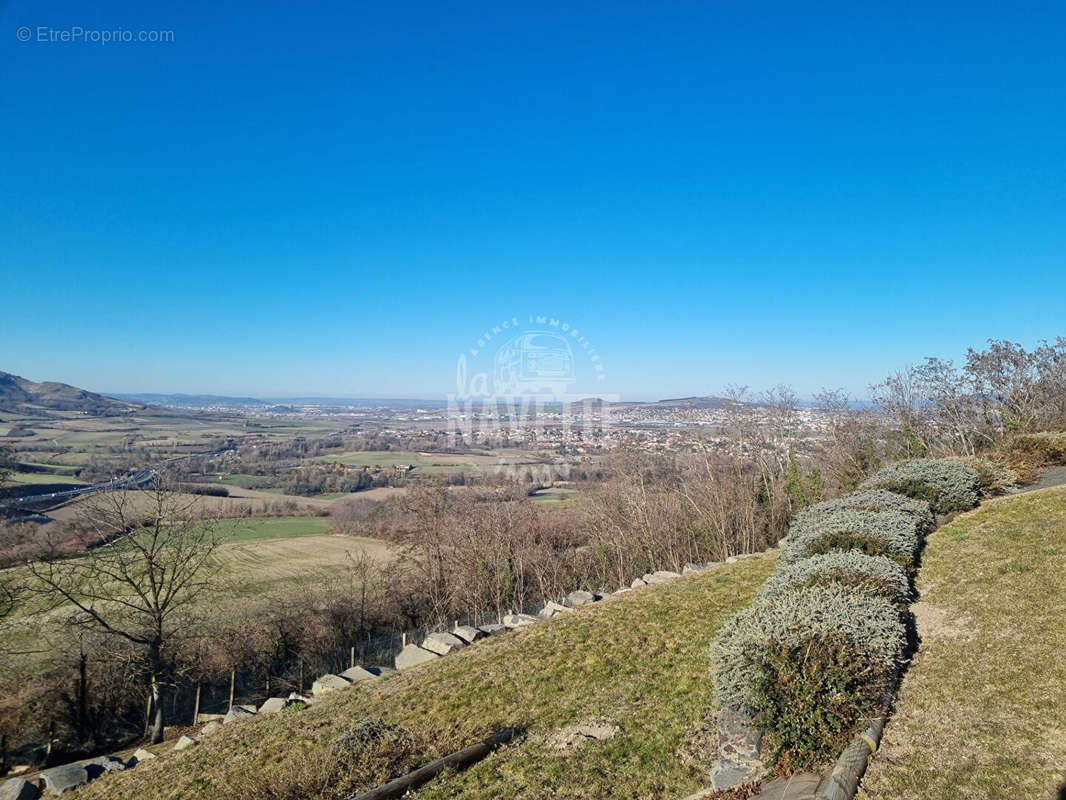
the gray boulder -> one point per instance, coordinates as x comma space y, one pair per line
214, 726
468, 633
661, 576
357, 673
412, 656
185, 742
579, 598
442, 643
272, 705
380, 671
18, 789
147, 755
519, 620
637, 583
329, 683
62, 779
492, 628
101, 764
727, 774
236, 714
552, 609
689, 569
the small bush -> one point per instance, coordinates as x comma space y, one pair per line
995, 478
946, 485
874, 575
808, 665
1049, 446
893, 534
872, 500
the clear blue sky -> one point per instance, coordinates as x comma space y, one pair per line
339, 198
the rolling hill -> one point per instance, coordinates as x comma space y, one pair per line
21, 396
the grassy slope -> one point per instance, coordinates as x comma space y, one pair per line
639, 661
980, 712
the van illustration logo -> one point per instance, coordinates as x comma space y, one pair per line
538, 381
537, 357
534, 362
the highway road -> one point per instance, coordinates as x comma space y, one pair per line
133, 480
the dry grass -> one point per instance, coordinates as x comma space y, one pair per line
639, 661
980, 712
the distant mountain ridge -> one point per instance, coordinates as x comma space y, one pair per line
19, 395
190, 400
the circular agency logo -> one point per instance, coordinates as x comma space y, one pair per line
536, 380
535, 359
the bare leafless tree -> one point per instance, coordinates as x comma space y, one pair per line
147, 561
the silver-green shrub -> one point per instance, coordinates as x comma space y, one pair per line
946, 485
808, 665
894, 534
871, 500
875, 575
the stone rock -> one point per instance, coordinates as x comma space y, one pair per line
738, 739
185, 742
61, 779
412, 656
18, 789
690, 569
551, 608
492, 628
214, 726
621, 590
357, 673
732, 560
794, 787
661, 576
328, 683
579, 598
442, 643
380, 672
101, 764
147, 755
272, 705
727, 774
519, 620
236, 714
468, 633
576, 735
637, 583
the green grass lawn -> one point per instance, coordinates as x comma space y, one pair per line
638, 661
43, 477
980, 715
243, 530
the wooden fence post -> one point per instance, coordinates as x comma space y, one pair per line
352, 659
232, 686
301, 676
196, 705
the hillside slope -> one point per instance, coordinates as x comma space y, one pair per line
980, 711
21, 396
638, 661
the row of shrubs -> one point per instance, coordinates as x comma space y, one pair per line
821, 648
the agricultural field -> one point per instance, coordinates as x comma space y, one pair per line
979, 715
436, 463
43, 477
260, 560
